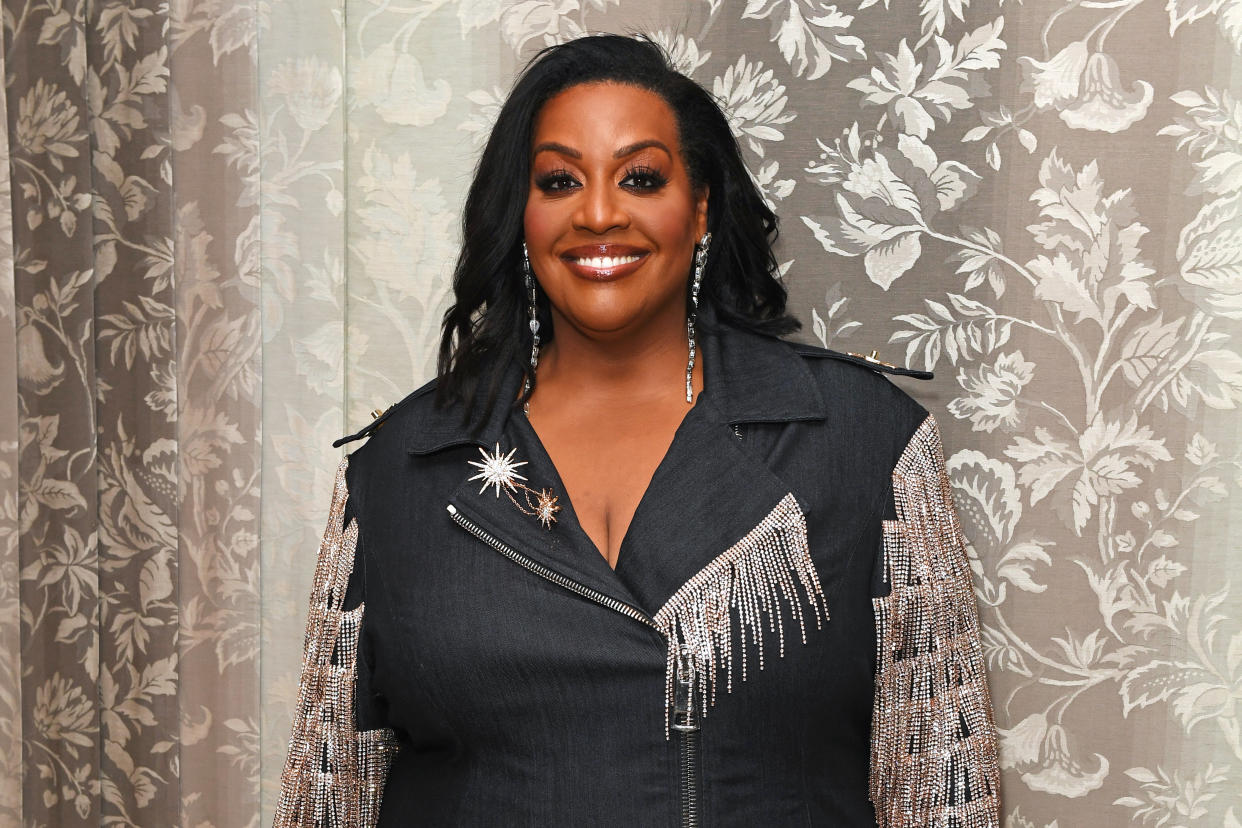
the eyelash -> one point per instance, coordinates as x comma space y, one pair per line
560, 180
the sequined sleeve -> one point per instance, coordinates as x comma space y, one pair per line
933, 741
334, 774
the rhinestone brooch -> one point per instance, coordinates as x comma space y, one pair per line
500, 472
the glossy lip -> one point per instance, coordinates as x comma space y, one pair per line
573, 260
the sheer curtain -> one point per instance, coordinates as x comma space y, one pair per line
228, 233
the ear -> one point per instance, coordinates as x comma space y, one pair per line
700, 211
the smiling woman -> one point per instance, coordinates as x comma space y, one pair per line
632, 559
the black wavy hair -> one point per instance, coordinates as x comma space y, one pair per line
488, 326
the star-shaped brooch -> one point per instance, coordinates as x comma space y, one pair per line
500, 472
497, 470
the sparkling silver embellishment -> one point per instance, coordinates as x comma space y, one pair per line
334, 774
933, 741
497, 470
760, 580
500, 471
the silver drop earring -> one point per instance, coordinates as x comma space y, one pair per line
532, 305
700, 261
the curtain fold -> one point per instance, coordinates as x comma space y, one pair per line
227, 229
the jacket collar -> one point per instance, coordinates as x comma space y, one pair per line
749, 378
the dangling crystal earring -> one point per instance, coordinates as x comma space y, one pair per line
700, 260
529, 281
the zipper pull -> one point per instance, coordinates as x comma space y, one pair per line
685, 718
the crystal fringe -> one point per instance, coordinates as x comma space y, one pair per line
753, 579
933, 741
334, 775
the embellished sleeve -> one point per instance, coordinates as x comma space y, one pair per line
933, 741
334, 774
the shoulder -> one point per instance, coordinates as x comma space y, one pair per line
400, 412
860, 397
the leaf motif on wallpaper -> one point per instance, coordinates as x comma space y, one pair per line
1205, 685
915, 94
1211, 134
68, 569
1209, 251
1176, 798
754, 101
486, 108
963, 329
1099, 462
1229, 19
547, 21
981, 261
408, 225
985, 491
144, 328
683, 51
1001, 655
809, 34
1094, 239
933, 14
394, 84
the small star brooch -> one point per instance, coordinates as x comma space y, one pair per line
500, 472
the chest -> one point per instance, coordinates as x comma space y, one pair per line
605, 458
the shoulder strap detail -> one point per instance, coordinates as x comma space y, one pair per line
933, 740
368, 429
871, 361
334, 775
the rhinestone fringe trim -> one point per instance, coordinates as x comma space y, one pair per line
334, 775
933, 741
767, 570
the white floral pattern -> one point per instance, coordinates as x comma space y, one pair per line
232, 233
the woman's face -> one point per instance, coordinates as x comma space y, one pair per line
611, 218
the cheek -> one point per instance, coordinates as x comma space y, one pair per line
540, 223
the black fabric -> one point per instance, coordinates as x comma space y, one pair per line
518, 702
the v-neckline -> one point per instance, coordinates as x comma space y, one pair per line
567, 507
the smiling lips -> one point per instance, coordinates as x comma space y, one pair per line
603, 262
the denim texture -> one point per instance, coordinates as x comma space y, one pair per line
518, 702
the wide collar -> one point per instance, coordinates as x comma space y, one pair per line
749, 378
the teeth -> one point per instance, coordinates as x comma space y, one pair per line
606, 262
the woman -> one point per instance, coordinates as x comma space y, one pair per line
627, 560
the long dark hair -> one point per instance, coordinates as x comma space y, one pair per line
487, 326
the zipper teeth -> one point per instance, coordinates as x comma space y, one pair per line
547, 574
689, 780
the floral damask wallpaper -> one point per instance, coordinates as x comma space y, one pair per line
232, 227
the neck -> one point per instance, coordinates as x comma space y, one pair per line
630, 366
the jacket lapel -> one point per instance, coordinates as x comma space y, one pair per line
709, 492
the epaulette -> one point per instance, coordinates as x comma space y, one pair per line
871, 361
379, 415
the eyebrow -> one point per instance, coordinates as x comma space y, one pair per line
629, 149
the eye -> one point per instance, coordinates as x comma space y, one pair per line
643, 178
555, 181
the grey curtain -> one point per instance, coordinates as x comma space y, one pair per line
225, 236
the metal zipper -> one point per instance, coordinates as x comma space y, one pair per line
686, 723
543, 572
685, 716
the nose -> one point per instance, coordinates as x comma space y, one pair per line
599, 209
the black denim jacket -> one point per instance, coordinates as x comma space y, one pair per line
518, 680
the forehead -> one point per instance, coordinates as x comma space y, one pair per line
599, 117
